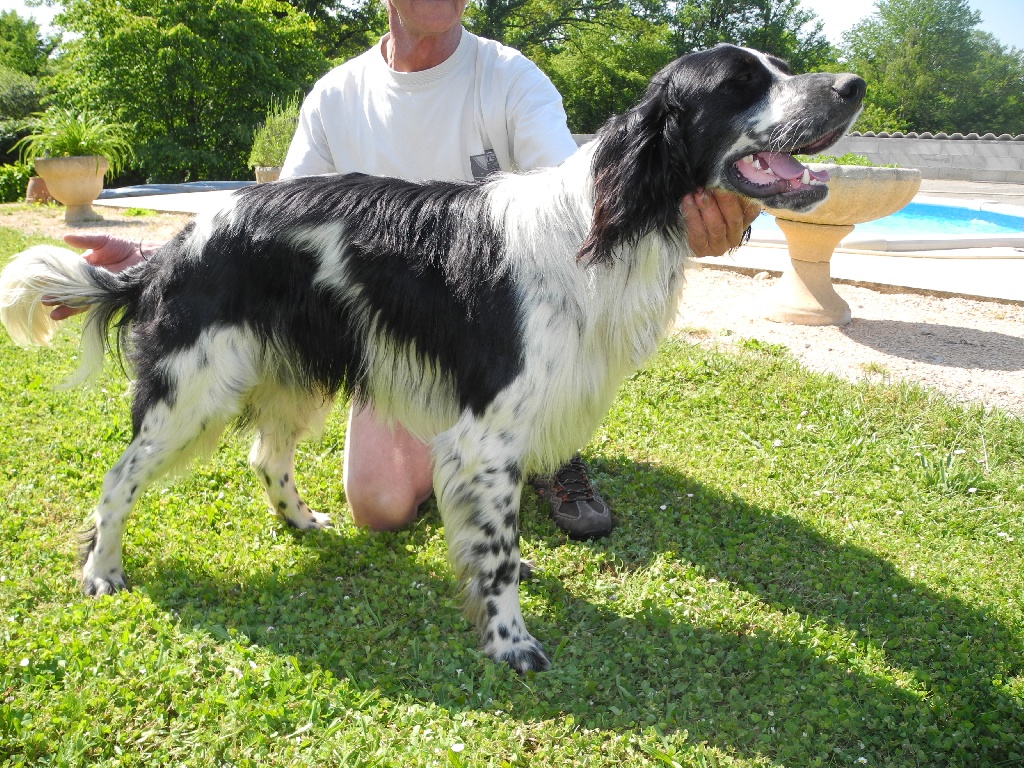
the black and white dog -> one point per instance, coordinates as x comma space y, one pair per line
494, 320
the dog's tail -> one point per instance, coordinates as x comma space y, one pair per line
57, 275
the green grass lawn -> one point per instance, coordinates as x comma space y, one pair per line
804, 572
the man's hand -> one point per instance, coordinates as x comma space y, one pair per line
112, 253
716, 220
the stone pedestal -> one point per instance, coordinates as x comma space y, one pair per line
804, 295
75, 182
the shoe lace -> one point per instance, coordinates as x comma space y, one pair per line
571, 482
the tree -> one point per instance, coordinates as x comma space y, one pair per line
603, 68
601, 62
780, 27
345, 28
996, 100
528, 24
24, 55
22, 47
926, 66
193, 76
19, 94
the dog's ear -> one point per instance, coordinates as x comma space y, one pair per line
641, 172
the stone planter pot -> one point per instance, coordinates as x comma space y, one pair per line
37, 191
75, 182
804, 295
265, 173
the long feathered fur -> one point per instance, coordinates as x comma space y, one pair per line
495, 320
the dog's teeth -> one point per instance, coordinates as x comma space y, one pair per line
749, 159
806, 178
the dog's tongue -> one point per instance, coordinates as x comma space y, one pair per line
787, 166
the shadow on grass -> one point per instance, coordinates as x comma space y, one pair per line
853, 652
947, 345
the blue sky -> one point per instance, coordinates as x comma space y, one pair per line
1003, 18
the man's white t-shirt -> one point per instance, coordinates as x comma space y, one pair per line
487, 107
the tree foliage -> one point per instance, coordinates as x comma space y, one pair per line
604, 68
22, 46
928, 67
19, 94
24, 57
192, 76
344, 28
601, 54
780, 27
528, 24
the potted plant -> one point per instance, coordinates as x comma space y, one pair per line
272, 137
73, 151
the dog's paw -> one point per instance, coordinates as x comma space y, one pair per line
96, 585
305, 519
523, 654
317, 521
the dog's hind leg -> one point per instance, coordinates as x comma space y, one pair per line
166, 439
478, 481
282, 415
181, 405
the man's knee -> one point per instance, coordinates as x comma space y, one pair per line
384, 509
387, 473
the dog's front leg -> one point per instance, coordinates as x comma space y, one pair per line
478, 482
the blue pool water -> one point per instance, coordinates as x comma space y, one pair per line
928, 219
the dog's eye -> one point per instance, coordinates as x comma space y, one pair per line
746, 77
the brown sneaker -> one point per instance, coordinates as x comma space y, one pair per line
575, 507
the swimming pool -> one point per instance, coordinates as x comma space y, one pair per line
926, 224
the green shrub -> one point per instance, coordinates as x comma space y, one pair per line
848, 159
11, 132
14, 181
274, 135
66, 133
19, 94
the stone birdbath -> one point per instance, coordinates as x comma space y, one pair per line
804, 294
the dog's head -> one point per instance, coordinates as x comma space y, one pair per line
726, 117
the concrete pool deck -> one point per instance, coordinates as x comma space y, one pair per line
986, 273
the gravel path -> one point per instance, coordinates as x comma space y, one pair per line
970, 350
48, 220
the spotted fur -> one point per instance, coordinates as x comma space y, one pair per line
493, 320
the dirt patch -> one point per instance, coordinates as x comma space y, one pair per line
969, 350
132, 224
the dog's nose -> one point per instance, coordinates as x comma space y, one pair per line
850, 87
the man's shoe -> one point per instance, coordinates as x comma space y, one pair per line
575, 507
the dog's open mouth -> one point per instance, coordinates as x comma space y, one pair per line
777, 173
779, 179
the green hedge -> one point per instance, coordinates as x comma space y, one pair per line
14, 182
20, 95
